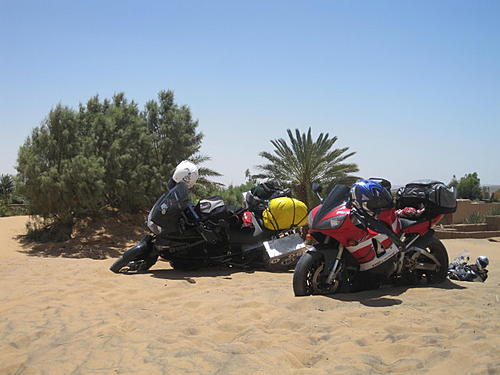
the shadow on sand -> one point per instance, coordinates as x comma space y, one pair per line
94, 239
191, 276
382, 297
68, 249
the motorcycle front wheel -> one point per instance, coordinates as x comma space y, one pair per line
307, 277
134, 254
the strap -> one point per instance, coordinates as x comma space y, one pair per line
382, 227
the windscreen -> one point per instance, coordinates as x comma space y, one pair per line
338, 195
169, 206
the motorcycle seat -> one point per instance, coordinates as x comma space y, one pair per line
405, 223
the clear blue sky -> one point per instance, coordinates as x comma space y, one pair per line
412, 86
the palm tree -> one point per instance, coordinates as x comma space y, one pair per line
304, 161
205, 185
6, 186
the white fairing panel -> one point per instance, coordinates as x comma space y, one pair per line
378, 260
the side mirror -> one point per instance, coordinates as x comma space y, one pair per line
316, 188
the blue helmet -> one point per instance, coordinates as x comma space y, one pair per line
370, 196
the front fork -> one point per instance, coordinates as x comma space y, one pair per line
332, 260
335, 269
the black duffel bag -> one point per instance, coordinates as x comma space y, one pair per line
214, 209
434, 196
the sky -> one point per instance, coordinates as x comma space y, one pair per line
413, 87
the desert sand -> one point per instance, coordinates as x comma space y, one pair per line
65, 315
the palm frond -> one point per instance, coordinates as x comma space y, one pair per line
300, 160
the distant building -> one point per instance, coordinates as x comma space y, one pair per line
489, 190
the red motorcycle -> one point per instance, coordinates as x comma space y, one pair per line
353, 251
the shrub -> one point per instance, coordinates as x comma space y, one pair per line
495, 211
12, 210
6, 186
469, 187
106, 154
475, 218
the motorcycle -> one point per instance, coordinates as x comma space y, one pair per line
353, 252
209, 234
460, 269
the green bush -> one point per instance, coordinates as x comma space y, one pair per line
495, 211
475, 218
9, 210
469, 187
4, 210
107, 154
6, 186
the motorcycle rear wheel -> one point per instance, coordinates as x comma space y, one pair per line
437, 249
307, 276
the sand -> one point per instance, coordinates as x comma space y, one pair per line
62, 315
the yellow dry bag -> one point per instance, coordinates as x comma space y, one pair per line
283, 213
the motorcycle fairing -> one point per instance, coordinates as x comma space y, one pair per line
391, 219
375, 253
420, 227
168, 208
369, 247
338, 195
332, 220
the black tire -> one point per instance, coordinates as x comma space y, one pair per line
149, 262
118, 264
306, 277
437, 249
130, 255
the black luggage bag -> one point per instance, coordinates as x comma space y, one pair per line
434, 196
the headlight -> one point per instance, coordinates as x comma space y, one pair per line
154, 228
331, 223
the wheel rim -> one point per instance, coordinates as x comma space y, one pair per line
429, 276
314, 284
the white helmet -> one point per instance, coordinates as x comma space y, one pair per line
186, 172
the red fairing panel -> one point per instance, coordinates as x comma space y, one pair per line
358, 241
423, 227
346, 232
390, 217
